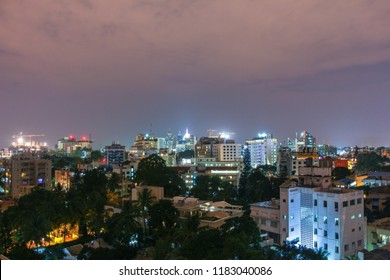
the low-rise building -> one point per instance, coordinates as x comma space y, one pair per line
63, 178
211, 214
378, 234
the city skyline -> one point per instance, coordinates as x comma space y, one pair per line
111, 70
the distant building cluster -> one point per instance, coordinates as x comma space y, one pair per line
314, 209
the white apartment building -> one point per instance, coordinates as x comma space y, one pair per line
315, 215
263, 150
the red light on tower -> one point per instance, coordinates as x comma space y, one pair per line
84, 138
71, 137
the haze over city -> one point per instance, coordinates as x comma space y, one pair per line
114, 68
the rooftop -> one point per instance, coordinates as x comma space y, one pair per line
338, 190
272, 204
382, 223
382, 253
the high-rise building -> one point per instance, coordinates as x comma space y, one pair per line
314, 214
115, 154
263, 150
185, 142
170, 141
29, 171
161, 143
227, 152
302, 140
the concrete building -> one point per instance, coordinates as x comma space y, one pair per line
326, 150
63, 178
204, 146
302, 140
69, 144
377, 179
378, 234
27, 172
227, 152
314, 214
302, 158
377, 199
263, 150
156, 192
115, 154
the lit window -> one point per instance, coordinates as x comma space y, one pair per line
284, 217
352, 217
315, 218
292, 217
360, 215
336, 221
325, 220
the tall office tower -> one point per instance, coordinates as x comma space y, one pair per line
185, 142
29, 171
115, 154
263, 150
170, 141
303, 140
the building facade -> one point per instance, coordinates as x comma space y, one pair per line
263, 150
313, 214
115, 154
29, 171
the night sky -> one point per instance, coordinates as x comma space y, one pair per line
116, 68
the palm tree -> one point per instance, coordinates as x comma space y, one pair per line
143, 204
125, 226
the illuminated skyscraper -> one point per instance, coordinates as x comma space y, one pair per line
263, 150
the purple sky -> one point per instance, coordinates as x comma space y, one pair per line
112, 68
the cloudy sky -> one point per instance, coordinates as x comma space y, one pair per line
116, 68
